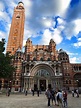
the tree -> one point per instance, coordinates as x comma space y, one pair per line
6, 67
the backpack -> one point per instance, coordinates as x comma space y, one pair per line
65, 95
49, 95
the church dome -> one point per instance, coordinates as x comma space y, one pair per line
63, 56
21, 4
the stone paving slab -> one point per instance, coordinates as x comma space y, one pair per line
29, 101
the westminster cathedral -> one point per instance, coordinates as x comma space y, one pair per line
39, 66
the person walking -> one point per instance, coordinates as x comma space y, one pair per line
32, 92
48, 95
8, 92
26, 92
38, 92
72, 93
65, 98
53, 96
59, 98
77, 93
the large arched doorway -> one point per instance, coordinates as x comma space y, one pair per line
42, 74
42, 85
77, 78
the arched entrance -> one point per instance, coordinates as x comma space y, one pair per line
42, 74
41, 77
42, 84
77, 78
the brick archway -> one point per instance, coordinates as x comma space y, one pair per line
42, 66
77, 78
42, 75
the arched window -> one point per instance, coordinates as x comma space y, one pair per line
17, 16
41, 59
42, 72
17, 83
66, 81
34, 59
69, 81
48, 59
13, 82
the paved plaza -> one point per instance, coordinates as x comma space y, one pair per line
29, 101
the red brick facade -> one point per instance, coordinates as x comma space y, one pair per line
16, 30
39, 66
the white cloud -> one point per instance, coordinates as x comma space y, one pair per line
4, 16
34, 11
57, 36
44, 8
71, 54
27, 33
63, 5
72, 28
77, 26
78, 43
24, 43
2, 7
47, 22
27, 5
47, 35
73, 60
60, 20
2, 35
79, 39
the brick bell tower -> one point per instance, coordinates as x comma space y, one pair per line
15, 40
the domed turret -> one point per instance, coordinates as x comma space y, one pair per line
63, 56
21, 3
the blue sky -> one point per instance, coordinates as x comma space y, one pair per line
46, 19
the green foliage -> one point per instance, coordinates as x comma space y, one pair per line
6, 67
2, 48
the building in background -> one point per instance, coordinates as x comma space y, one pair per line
39, 66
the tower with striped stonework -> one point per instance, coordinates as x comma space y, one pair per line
15, 40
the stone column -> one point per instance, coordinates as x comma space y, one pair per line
25, 70
38, 84
2, 84
24, 84
46, 83
29, 82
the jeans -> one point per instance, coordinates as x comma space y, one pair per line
65, 102
48, 101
